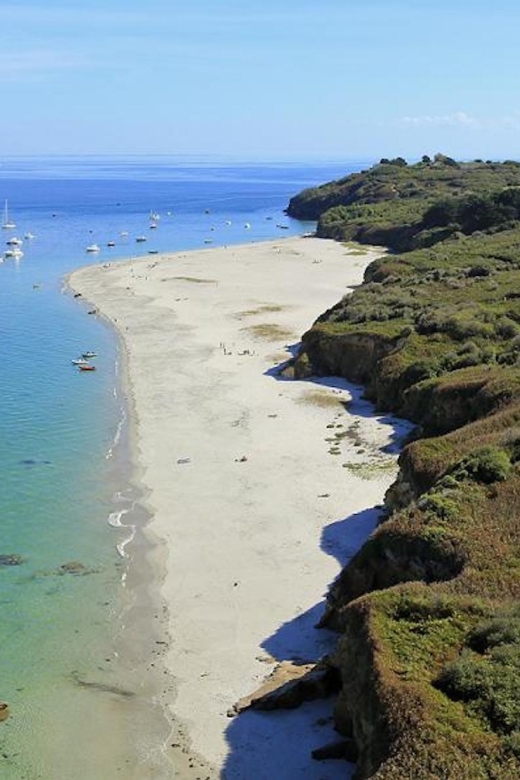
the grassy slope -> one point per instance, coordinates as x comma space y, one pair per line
425, 698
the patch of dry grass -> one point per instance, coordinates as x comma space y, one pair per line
356, 249
262, 309
270, 331
321, 398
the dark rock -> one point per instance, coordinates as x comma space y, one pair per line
319, 682
72, 567
11, 560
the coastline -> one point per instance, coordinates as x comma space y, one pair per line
246, 495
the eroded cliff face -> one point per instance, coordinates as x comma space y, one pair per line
397, 552
354, 356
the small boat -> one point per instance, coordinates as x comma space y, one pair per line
29, 236
93, 248
124, 233
16, 253
86, 367
208, 241
153, 251
247, 226
152, 225
7, 224
140, 239
88, 355
14, 241
111, 243
80, 362
283, 227
154, 216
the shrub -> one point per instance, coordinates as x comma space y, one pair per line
506, 328
462, 327
487, 465
489, 684
440, 504
494, 633
464, 679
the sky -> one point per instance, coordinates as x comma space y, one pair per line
261, 79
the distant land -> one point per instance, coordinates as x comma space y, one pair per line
428, 610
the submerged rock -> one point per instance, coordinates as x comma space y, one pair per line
11, 560
73, 567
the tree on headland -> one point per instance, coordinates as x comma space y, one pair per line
400, 162
443, 159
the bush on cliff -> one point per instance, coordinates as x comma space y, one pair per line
486, 676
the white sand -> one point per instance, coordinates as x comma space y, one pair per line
255, 511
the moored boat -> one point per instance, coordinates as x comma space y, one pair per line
14, 252
7, 224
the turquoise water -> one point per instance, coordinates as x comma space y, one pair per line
65, 475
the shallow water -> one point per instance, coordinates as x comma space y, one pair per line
78, 692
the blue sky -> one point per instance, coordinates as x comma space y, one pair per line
261, 79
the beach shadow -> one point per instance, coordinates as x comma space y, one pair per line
278, 744
343, 538
277, 371
266, 745
357, 404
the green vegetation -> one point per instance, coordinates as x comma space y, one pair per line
430, 647
411, 206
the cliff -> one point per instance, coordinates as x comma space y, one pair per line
429, 653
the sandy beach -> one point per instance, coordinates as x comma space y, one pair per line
259, 488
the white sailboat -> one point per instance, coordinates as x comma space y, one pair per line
7, 224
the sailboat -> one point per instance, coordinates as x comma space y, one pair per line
7, 224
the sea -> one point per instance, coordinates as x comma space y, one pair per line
73, 562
